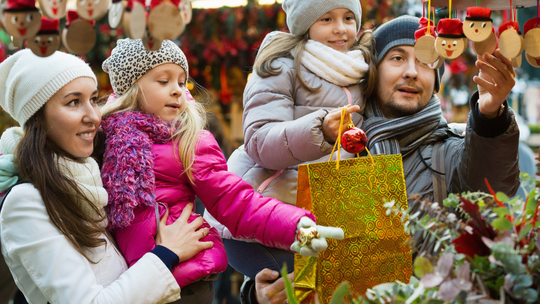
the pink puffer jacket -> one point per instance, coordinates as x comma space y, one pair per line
140, 168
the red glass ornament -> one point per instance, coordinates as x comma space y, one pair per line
354, 140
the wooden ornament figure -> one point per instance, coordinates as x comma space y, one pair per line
436, 64
487, 46
510, 40
150, 43
21, 18
92, 9
516, 61
424, 47
186, 10
165, 22
116, 11
79, 36
535, 62
532, 37
450, 42
478, 24
47, 40
134, 19
53, 9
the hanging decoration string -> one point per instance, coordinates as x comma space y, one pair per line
338, 141
450, 8
429, 18
537, 11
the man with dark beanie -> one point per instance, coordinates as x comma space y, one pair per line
403, 116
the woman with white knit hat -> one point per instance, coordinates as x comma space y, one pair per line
52, 222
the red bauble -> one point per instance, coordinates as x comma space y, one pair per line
354, 140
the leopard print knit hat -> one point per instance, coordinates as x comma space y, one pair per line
129, 61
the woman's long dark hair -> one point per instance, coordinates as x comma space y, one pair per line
38, 164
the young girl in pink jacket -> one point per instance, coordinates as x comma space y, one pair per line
158, 158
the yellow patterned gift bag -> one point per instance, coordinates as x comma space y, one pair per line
350, 194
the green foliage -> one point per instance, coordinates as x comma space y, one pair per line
508, 274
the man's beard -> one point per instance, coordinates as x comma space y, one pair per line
410, 107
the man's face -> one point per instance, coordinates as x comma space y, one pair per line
404, 84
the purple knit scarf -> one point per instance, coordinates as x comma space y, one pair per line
128, 163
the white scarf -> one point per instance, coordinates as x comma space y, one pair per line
342, 69
88, 178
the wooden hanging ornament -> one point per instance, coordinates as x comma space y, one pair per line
21, 18
478, 24
150, 43
165, 22
79, 35
487, 46
510, 40
532, 37
535, 62
116, 11
92, 9
436, 64
424, 47
516, 61
450, 42
47, 40
53, 9
134, 19
186, 10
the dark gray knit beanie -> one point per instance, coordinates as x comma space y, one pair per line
301, 14
399, 31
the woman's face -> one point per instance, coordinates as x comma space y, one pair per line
336, 29
72, 117
163, 91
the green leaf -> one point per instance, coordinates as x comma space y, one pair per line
501, 211
422, 266
502, 224
532, 202
502, 197
340, 292
288, 286
524, 231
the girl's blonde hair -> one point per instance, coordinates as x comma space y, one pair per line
186, 127
284, 45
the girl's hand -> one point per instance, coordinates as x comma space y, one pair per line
181, 237
317, 242
332, 120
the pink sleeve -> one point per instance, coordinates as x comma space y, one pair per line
235, 204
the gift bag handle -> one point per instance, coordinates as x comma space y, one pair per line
338, 141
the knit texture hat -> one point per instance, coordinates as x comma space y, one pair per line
399, 31
130, 60
301, 14
27, 81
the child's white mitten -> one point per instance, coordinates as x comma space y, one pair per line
311, 238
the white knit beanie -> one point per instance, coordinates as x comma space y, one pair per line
27, 81
301, 14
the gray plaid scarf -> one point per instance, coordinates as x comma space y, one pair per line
404, 134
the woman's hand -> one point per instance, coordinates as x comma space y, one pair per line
181, 237
332, 120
